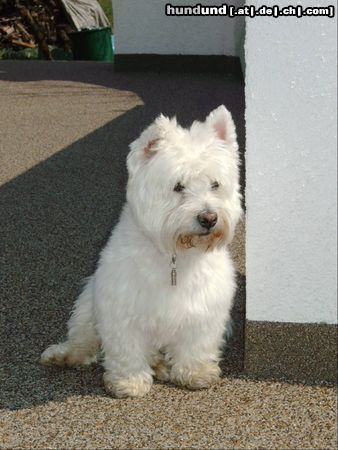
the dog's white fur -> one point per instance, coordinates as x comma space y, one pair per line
129, 308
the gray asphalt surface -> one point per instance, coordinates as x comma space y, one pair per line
64, 135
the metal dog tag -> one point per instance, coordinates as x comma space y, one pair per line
173, 271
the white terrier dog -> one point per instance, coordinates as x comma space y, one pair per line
160, 299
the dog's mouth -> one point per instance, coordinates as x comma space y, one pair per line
206, 241
204, 233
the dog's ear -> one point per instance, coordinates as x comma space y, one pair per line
147, 144
220, 120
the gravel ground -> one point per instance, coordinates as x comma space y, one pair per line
65, 130
236, 414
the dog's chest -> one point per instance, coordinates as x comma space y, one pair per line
199, 283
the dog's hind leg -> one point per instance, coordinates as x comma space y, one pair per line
160, 366
83, 343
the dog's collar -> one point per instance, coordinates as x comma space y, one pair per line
173, 270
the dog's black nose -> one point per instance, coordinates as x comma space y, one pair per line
207, 219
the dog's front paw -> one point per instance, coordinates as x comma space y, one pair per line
196, 377
133, 386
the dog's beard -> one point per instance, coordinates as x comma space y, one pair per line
205, 241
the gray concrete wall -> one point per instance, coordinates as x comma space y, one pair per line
291, 122
141, 26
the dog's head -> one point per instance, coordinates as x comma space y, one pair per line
183, 185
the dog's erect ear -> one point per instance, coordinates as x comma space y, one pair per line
220, 120
146, 145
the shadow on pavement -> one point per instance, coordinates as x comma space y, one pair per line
187, 96
57, 215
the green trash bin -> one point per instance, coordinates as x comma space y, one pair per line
92, 45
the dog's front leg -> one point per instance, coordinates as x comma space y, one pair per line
195, 355
127, 371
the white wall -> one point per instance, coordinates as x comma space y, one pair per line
291, 120
141, 26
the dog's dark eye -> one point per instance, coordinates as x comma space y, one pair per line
215, 185
179, 187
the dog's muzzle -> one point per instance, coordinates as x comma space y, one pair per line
207, 219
